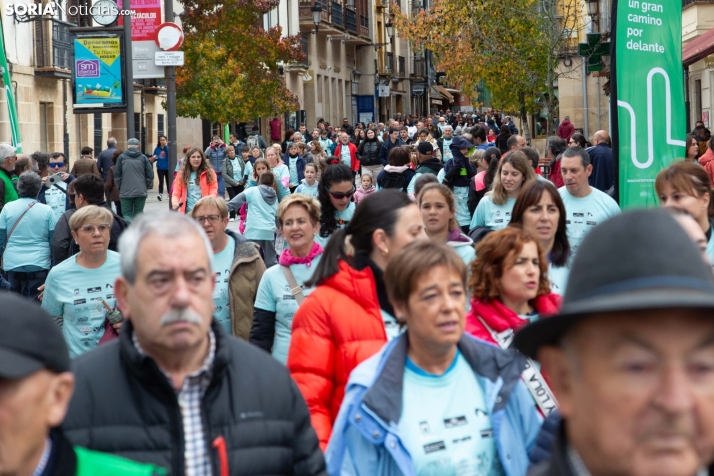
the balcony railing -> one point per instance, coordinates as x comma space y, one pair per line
337, 16
389, 63
53, 47
351, 20
402, 67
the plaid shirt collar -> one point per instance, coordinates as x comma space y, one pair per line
202, 375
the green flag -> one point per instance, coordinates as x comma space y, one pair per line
11, 109
648, 115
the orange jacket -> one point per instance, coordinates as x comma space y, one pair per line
707, 161
337, 327
181, 190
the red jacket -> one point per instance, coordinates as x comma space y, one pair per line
337, 327
500, 318
566, 129
707, 161
555, 175
353, 154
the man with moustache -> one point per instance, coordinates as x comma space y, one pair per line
175, 390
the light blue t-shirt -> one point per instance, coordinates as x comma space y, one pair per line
309, 190
558, 276
222, 263
345, 155
343, 217
274, 296
490, 215
30, 242
461, 197
445, 424
56, 199
193, 194
465, 250
236, 163
584, 214
282, 173
76, 294
260, 222
293, 171
391, 325
447, 155
710, 249
248, 170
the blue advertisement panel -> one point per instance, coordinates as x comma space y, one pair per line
98, 73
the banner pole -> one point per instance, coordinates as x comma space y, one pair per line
10, 97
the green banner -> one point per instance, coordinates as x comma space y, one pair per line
11, 109
648, 99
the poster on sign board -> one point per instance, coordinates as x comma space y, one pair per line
98, 72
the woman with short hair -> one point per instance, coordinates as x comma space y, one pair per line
26, 228
347, 318
686, 185
79, 292
540, 212
435, 400
299, 218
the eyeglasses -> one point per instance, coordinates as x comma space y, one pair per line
341, 195
54, 165
211, 219
102, 228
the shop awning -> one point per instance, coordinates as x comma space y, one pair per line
442, 90
699, 48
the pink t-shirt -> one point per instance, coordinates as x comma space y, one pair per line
478, 181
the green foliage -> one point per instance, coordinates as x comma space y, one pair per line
231, 62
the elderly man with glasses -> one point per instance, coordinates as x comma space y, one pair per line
238, 267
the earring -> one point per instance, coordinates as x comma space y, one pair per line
385, 252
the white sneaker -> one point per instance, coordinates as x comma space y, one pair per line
232, 219
158, 197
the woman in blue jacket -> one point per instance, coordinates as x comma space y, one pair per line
433, 400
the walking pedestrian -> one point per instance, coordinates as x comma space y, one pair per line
133, 176
105, 162
85, 164
233, 175
438, 212
456, 174
8, 158
368, 154
161, 157
309, 185
398, 174
426, 164
195, 181
215, 153
110, 186
55, 191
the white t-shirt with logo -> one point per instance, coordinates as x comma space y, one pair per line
57, 199
491, 215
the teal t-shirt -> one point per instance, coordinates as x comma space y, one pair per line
391, 325
584, 214
29, 243
57, 199
282, 173
76, 294
345, 155
461, 197
194, 192
447, 155
222, 263
293, 172
248, 170
710, 249
260, 222
465, 250
236, 164
445, 424
343, 217
490, 215
558, 276
309, 190
274, 296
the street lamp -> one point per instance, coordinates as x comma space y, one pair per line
390, 29
594, 11
316, 16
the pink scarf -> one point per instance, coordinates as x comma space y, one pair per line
286, 258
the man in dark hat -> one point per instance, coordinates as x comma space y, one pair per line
35, 389
428, 164
630, 357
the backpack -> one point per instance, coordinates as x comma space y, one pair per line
393, 180
252, 141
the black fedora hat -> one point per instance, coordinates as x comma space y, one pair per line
639, 260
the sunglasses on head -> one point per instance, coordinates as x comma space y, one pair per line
56, 164
341, 195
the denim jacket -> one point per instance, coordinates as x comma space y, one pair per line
365, 437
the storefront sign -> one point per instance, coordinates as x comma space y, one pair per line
383, 90
649, 126
98, 72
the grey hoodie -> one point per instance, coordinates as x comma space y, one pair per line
133, 174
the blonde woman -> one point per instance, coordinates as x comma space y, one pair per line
495, 209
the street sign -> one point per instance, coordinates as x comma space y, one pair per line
418, 90
169, 36
168, 58
383, 90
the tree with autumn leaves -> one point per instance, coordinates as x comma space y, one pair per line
513, 46
231, 66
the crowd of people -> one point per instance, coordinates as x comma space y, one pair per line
431, 298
